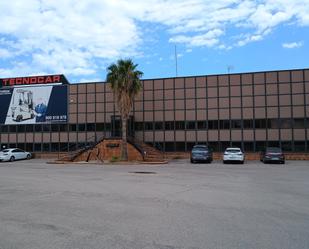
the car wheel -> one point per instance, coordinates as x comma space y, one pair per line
282, 162
19, 118
28, 156
263, 161
241, 162
224, 162
191, 161
12, 159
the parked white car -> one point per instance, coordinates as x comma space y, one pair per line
233, 155
13, 154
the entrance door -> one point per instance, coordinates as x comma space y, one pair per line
116, 126
116, 129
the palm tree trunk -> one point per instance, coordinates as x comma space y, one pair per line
124, 148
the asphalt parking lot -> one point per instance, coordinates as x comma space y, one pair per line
178, 205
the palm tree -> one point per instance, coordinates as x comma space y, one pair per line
125, 83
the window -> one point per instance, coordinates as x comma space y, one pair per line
179, 125
273, 123
180, 146
12, 145
63, 127
286, 123
107, 126
90, 127
63, 146
236, 124
190, 125
21, 146
12, 128
273, 144
299, 146
201, 125
81, 127
46, 147
169, 146
20, 128
299, 123
224, 124
100, 126
169, 125
248, 124
29, 147
54, 127
214, 146
138, 126
54, 147
260, 123
248, 146
37, 147
29, 128
4, 128
37, 127
213, 124
158, 125
46, 127
148, 126
259, 146
72, 146
286, 146
72, 127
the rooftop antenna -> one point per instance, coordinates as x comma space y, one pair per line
176, 65
229, 68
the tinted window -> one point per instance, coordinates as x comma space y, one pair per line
273, 149
200, 148
233, 150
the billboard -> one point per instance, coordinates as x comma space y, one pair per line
34, 80
33, 104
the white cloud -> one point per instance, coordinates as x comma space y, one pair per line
293, 44
208, 39
78, 37
4, 53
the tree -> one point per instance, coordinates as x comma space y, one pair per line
125, 83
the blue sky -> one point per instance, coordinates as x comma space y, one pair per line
81, 38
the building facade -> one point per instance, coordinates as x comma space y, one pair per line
247, 110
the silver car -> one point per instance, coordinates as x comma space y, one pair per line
233, 155
13, 154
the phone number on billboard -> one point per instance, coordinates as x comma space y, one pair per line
56, 118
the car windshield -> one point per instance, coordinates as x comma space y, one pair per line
233, 150
200, 149
5, 150
274, 150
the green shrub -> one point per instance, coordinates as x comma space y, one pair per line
114, 159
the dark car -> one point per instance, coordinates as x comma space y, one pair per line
201, 153
272, 154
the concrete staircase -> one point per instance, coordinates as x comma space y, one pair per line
150, 154
147, 153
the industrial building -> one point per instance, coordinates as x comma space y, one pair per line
247, 110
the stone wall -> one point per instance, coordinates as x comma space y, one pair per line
109, 149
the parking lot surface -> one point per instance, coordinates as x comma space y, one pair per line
178, 205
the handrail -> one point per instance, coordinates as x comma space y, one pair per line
135, 143
91, 144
